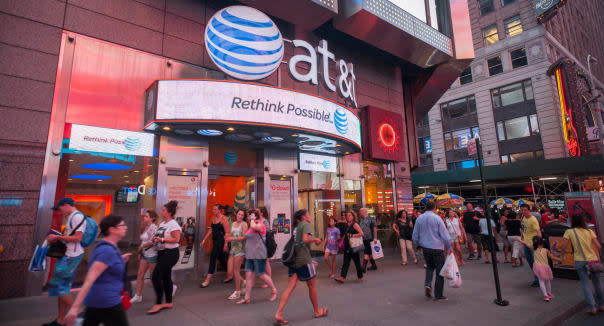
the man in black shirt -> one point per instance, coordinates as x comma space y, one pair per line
470, 223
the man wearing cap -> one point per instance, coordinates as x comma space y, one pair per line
66, 267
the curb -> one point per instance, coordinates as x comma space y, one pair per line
564, 316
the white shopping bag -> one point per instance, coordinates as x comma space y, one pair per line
376, 249
450, 271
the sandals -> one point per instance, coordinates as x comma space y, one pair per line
273, 296
228, 281
322, 313
339, 279
157, 309
280, 321
244, 301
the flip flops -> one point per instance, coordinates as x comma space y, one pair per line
322, 313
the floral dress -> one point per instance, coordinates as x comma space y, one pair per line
237, 246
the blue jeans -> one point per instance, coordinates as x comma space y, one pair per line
530, 259
581, 267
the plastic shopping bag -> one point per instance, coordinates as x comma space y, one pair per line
450, 271
38, 260
376, 249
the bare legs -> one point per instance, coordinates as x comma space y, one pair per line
65, 303
237, 271
312, 294
140, 276
457, 251
330, 259
249, 284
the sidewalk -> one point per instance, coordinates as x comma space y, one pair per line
392, 295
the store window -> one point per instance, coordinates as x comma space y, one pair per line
517, 127
513, 26
379, 195
459, 138
512, 94
495, 66
518, 57
352, 195
458, 108
466, 76
425, 145
490, 35
109, 180
515, 157
506, 2
462, 165
424, 121
486, 6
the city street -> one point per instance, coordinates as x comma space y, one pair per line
392, 295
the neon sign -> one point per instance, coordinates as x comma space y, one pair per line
388, 138
568, 128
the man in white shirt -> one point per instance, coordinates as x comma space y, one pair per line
66, 267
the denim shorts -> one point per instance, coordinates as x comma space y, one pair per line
256, 266
63, 275
150, 260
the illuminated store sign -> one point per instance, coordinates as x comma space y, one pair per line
543, 6
215, 101
320, 163
105, 140
383, 134
246, 44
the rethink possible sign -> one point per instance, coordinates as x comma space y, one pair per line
220, 101
105, 140
543, 6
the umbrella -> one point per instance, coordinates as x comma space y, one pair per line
449, 200
502, 201
521, 202
423, 198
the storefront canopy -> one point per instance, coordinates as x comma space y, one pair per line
250, 112
583, 165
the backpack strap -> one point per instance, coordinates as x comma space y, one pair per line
80, 224
579, 244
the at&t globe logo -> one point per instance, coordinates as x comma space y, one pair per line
132, 143
340, 121
326, 164
244, 43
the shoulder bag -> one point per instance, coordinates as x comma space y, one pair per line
594, 266
58, 248
356, 243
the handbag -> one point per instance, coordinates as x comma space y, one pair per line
356, 244
594, 266
57, 249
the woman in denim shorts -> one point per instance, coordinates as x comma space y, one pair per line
255, 257
147, 252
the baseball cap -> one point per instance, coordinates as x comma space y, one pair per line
63, 201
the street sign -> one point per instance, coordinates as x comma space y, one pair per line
472, 146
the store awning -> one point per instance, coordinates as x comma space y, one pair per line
584, 165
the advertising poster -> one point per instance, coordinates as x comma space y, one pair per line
280, 212
184, 189
581, 205
568, 261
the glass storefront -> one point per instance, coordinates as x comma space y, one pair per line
379, 198
319, 193
103, 183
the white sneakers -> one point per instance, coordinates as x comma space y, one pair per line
235, 295
136, 299
174, 288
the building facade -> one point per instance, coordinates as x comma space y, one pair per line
509, 97
124, 105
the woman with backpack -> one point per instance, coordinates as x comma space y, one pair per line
147, 252
255, 257
303, 269
353, 230
104, 283
403, 227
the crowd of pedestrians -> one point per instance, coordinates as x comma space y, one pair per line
243, 242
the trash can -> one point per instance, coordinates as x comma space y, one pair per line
553, 234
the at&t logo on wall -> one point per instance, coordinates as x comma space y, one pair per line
244, 42
340, 121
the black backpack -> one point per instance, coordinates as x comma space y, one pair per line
269, 243
288, 257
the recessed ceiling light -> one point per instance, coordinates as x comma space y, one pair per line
338, 145
100, 180
294, 135
346, 153
69, 179
71, 160
136, 171
230, 129
476, 180
166, 128
90, 176
125, 176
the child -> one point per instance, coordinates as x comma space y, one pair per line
541, 267
331, 246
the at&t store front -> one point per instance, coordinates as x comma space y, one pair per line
264, 112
